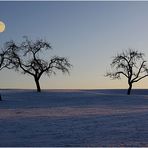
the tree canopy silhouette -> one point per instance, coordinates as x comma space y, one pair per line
4, 60
32, 57
129, 64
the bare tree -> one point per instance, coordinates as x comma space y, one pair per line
2, 65
131, 65
32, 57
4, 60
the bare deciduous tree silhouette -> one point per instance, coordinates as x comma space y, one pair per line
2, 65
4, 60
131, 65
32, 57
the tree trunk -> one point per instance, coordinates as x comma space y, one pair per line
129, 89
37, 85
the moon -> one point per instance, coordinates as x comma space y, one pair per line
2, 26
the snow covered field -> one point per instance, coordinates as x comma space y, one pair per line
73, 118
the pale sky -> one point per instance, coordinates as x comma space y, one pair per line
88, 33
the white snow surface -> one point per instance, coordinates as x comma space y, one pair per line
72, 118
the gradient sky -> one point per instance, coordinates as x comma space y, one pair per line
89, 33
